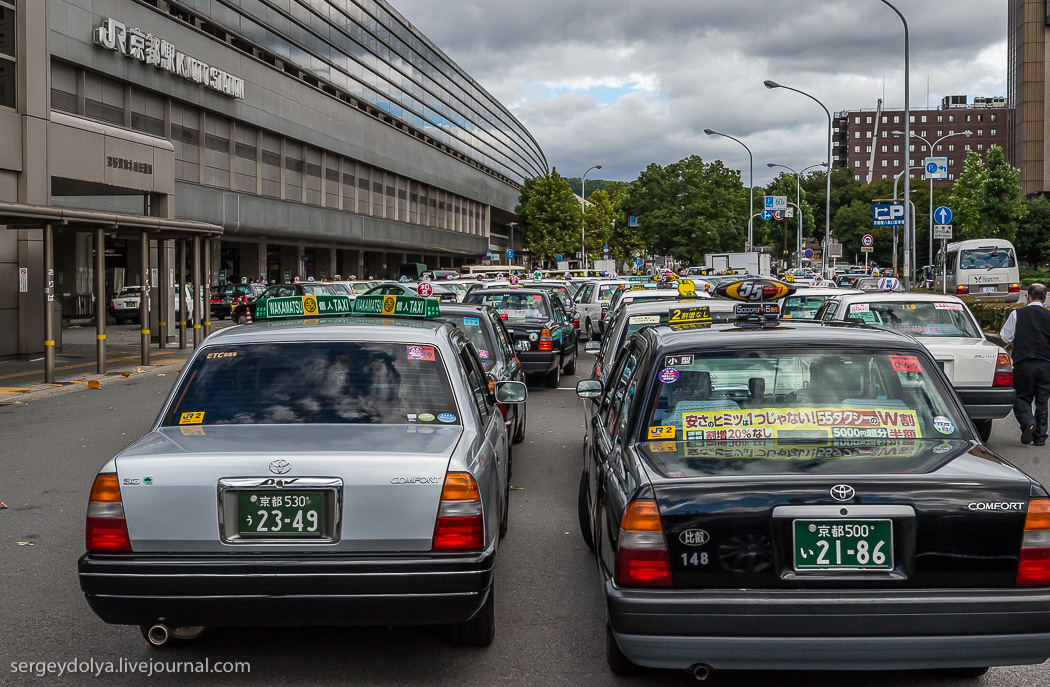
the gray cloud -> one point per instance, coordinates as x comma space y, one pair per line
625, 82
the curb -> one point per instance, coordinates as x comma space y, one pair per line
38, 392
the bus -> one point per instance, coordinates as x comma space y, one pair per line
984, 268
492, 270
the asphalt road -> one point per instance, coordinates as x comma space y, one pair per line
550, 621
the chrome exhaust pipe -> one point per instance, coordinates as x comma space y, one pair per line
701, 671
158, 635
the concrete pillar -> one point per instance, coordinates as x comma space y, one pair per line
48, 307
253, 261
326, 263
100, 301
145, 299
359, 263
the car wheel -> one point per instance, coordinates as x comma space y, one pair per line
479, 630
553, 378
587, 329
519, 432
241, 318
984, 429
583, 514
570, 369
504, 521
617, 659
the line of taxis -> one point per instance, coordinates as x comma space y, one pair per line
764, 487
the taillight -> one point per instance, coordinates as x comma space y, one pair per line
962, 288
1033, 569
641, 552
1004, 371
575, 323
1014, 288
106, 530
460, 525
546, 342
605, 310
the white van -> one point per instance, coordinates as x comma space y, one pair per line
985, 268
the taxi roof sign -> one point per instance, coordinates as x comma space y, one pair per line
302, 306
403, 306
756, 290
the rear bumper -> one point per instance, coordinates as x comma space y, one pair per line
831, 630
987, 403
533, 362
285, 590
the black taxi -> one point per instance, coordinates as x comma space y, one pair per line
277, 298
765, 494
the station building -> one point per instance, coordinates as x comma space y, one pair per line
245, 138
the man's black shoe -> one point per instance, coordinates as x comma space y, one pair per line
1039, 443
1026, 433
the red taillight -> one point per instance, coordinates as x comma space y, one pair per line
460, 525
106, 531
962, 288
641, 552
604, 311
576, 323
546, 342
1014, 288
1033, 568
1004, 372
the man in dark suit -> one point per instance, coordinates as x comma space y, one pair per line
1028, 330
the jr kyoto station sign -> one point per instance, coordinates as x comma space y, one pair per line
145, 47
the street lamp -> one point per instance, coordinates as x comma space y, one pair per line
931, 148
750, 184
907, 136
827, 204
583, 216
798, 201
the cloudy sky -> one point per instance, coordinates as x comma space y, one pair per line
624, 83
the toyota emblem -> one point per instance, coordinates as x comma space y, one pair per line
842, 492
280, 467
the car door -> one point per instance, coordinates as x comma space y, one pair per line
493, 442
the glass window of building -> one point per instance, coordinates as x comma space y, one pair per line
185, 136
147, 111
293, 171
270, 169
332, 182
7, 54
377, 193
364, 199
64, 88
313, 176
992, 132
246, 154
103, 99
216, 151
391, 208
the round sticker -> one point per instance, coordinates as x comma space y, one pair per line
942, 448
534, 336
943, 425
483, 354
425, 289
513, 280
446, 417
669, 375
425, 430
425, 417
415, 353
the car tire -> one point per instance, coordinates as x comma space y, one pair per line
553, 378
504, 520
618, 662
984, 429
519, 432
570, 369
479, 630
584, 514
242, 318
587, 329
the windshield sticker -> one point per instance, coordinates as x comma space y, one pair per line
426, 417
644, 319
772, 423
192, 431
446, 417
676, 473
411, 417
943, 425
942, 448
663, 446
483, 354
664, 432
859, 307
669, 375
513, 314
905, 363
948, 306
688, 315
472, 321
897, 449
224, 354
678, 361
420, 353
191, 418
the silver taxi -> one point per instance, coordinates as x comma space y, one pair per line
320, 472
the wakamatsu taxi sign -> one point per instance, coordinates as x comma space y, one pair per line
303, 306
397, 305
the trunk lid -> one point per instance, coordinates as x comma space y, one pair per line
953, 511
391, 480
966, 362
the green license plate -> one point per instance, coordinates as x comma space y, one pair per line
843, 545
280, 514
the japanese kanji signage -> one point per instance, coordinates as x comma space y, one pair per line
145, 47
772, 423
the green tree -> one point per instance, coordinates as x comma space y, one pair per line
1002, 207
607, 224
550, 216
1033, 234
966, 202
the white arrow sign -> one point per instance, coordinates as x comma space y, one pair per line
943, 215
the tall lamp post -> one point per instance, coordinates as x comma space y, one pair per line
583, 216
798, 200
750, 184
907, 134
931, 148
827, 203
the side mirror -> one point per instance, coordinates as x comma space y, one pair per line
589, 388
592, 347
511, 392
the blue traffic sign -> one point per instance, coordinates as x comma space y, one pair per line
767, 215
943, 215
639, 262
808, 253
558, 257
887, 215
510, 254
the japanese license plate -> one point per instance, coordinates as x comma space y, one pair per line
522, 345
280, 514
843, 544
989, 289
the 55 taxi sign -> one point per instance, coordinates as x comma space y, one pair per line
755, 290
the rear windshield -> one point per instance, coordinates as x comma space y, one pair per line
477, 330
314, 383
513, 307
129, 291
606, 292
792, 396
315, 289
802, 307
986, 258
917, 319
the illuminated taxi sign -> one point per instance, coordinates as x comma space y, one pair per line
402, 306
766, 311
643, 287
686, 288
639, 278
755, 290
689, 315
302, 306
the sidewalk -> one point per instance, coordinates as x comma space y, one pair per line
23, 380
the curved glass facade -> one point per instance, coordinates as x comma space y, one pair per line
364, 48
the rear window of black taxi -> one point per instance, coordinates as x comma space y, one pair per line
315, 383
480, 334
